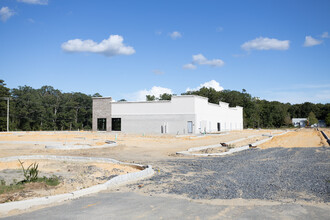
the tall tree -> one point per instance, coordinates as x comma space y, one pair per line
4, 93
312, 119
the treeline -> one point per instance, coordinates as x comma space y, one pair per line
262, 113
50, 109
45, 109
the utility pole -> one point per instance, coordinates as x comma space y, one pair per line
7, 98
8, 115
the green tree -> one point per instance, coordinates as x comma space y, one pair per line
165, 96
122, 100
287, 120
312, 119
4, 93
150, 98
327, 119
97, 95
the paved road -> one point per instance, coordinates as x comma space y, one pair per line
199, 188
131, 205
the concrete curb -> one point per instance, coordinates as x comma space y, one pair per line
77, 147
59, 145
231, 151
116, 181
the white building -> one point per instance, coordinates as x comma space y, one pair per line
186, 114
299, 122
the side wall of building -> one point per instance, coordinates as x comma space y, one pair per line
209, 115
102, 109
156, 117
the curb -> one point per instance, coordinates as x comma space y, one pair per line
116, 181
231, 151
77, 147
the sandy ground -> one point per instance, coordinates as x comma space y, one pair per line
297, 138
73, 176
144, 149
137, 148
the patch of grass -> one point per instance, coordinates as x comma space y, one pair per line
50, 181
7, 188
230, 146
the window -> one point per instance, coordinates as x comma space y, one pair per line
190, 127
219, 126
116, 124
101, 124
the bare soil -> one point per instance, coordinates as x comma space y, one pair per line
144, 149
73, 176
297, 138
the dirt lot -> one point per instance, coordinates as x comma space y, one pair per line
72, 175
138, 148
150, 149
297, 138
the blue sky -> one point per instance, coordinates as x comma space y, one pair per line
276, 50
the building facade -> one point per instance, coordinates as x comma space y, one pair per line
299, 122
186, 114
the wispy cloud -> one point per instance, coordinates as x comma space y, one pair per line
296, 97
157, 72
299, 93
108, 47
199, 59
325, 35
31, 20
158, 32
35, 2
219, 29
310, 41
210, 84
6, 13
175, 35
189, 66
264, 43
155, 90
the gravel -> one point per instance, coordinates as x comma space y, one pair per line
274, 174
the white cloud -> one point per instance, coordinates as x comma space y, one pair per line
35, 2
175, 35
157, 72
108, 47
158, 32
325, 35
189, 66
155, 90
264, 43
219, 29
310, 41
201, 60
6, 13
210, 84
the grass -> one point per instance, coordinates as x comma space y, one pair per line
230, 146
50, 181
7, 188
31, 175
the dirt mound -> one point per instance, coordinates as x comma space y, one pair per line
298, 138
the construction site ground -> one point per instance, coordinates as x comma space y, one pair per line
287, 176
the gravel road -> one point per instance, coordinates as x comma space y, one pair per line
274, 174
